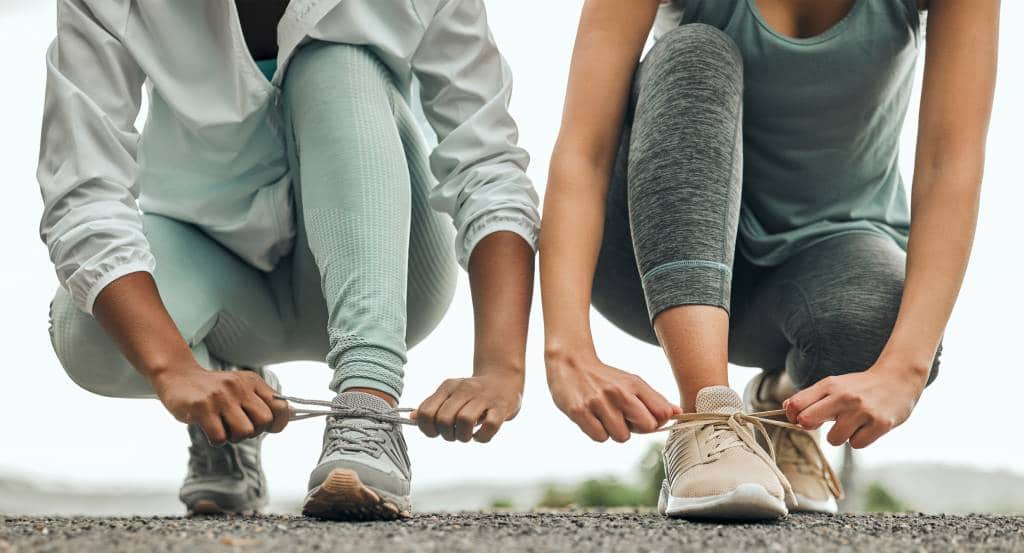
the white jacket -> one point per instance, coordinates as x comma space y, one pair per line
212, 153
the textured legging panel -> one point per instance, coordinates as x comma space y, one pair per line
372, 271
671, 225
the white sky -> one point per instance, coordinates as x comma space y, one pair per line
51, 429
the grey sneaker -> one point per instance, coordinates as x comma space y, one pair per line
364, 470
225, 479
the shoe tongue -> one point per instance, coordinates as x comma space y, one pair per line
361, 400
718, 399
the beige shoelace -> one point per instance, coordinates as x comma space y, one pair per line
738, 422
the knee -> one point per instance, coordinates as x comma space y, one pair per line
845, 332
696, 53
86, 353
343, 69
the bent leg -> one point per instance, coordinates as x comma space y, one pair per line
360, 177
682, 192
829, 310
673, 201
199, 282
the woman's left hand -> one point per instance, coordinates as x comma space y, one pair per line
865, 405
461, 404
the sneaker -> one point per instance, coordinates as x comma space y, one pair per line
364, 470
226, 479
714, 467
796, 451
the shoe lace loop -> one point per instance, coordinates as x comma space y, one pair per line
732, 430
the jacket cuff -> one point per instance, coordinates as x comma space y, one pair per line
507, 219
87, 282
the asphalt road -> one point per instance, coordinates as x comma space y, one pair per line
533, 532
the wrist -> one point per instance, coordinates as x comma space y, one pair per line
504, 368
159, 369
558, 351
908, 367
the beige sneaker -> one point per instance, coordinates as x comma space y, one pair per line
815, 486
714, 467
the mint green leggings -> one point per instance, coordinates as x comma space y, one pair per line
372, 271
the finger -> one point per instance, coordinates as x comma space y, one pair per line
237, 424
445, 420
279, 408
589, 424
259, 413
637, 414
846, 425
467, 419
426, 414
613, 421
661, 408
491, 424
826, 409
804, 399
213, 428
867, 435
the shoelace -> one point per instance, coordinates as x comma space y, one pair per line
391, 416
348, 437
738, 422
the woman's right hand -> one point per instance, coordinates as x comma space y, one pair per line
604, 401
227, 405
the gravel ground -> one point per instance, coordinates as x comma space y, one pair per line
534, 532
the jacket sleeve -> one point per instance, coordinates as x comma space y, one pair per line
91, 222
465, 90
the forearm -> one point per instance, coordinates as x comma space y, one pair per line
570, 243
941, 235
501, 275
132, 313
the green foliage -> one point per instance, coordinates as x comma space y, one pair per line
610, 491
557, 497
502, 503
879, 500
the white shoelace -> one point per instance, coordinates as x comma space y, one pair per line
393, 415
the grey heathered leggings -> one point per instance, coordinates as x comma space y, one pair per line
671, 224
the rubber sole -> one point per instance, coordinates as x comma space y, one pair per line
210, 508
807, 505
745, 502
342, 496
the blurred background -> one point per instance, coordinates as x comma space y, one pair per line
64, 450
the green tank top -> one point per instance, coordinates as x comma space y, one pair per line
821, 124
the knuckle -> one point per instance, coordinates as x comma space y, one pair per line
594, 402
465, 420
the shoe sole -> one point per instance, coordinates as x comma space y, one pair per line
746, 502
342, 496
210, 508
817, 506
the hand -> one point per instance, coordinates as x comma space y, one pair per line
461, 404
606, 402
227, 405
865, 405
